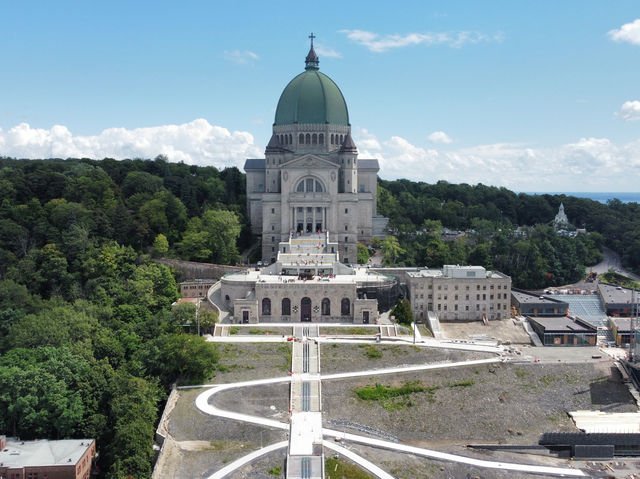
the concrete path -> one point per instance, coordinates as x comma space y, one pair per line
244, 460
202, 403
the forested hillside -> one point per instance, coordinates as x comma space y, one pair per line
534, 255
89, 344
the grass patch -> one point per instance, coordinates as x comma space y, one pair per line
275, 471
341, 469
617, 279
520, 373
350, 331
462, 384
394, 398
287, 351
372, 352
234, 330
261, 331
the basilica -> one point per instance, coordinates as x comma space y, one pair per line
311, 179
312, 200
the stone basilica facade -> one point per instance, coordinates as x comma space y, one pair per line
311, 179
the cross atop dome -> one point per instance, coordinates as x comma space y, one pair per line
312, 62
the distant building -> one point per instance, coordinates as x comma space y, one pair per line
561, 221
564, 331
44, 459
459, 293
196, 288
530, 304
617, 300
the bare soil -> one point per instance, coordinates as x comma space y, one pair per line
506, 331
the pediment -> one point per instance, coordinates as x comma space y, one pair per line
310, 161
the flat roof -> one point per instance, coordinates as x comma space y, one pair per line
64, 452
527, 297
615, 294
437, 273
562, 324
622, 324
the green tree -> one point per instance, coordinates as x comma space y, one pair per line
402, 312
160, 245
363, 254
391, 250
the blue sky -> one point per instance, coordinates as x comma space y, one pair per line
535, 96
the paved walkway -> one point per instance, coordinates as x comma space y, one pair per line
306, 467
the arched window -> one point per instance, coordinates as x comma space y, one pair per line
326, 307
345, 307
341, 139
301, 138
226, 297
332, 138
308, 139
286, 307
290, 139
266, 307
310, 185
281, 140
321, 139
314, 139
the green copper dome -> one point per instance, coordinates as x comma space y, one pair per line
312, 97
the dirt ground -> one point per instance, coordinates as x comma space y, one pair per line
504, 330
499, 403
338, 358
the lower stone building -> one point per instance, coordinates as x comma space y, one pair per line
459, 293
44, 459
307, 283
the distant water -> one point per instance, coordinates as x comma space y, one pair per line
601, 197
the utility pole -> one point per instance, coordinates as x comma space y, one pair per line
198, 315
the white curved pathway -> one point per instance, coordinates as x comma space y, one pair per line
202, 403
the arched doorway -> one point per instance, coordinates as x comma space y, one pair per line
305, 309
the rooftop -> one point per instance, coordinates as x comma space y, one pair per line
527, 297
615, 294
563, 324
64, 452
622, 324
457, 272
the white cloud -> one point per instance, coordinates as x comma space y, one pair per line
590, 164
241, 57
327, 52
630, 111
381, 43
439, 137
629, 32
196, 142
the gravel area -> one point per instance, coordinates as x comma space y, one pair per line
407, 466
340, 357
506, 403
260, 469
506, 331
246, 361
270, 401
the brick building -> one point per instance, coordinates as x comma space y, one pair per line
44, 459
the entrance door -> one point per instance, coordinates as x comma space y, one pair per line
318, 226
245, 317
305, 309
300, 228
365, 317
309, 227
